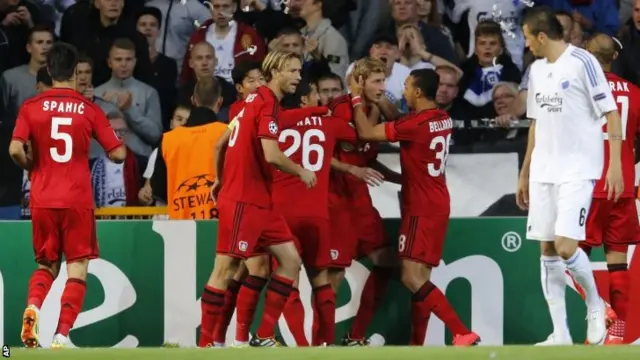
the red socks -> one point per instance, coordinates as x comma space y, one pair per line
211, 303
619, 289
429, 299
372, 296
419, 321
278, 292
324, 301
71, 305
230, 297
294, 315
247, 302
39, 287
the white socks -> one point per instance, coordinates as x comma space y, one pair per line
553, 287
580, 268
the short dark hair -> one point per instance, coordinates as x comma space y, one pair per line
288, 31
427, 80
85, 59
242, 70
43, 77
207, 91
40, 28
150, 10
124, 44
62, 60
330, 76
543, 19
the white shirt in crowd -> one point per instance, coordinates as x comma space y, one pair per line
224, 50
394, 84
421, 65
567, 99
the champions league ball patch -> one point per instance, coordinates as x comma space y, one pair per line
273, 127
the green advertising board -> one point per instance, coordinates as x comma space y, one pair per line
145, 288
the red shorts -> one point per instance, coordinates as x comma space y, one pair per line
246, 229
422, 239
312, 234
614, 224
370, 231
69, 232
343, 239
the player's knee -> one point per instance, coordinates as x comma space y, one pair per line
616, 254
225, 267
566, 247
413, 275
53, 268
548, 248
318, 277
78, 269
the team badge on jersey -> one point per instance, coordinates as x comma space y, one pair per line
273, 127
565, 84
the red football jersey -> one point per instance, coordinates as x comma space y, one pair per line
235, 109
309, 143
359, 155
627, 97
424, 146
246, 174
60, 124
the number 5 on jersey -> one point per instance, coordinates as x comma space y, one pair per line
308, 145
56, 134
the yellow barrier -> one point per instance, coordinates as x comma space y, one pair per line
132, 213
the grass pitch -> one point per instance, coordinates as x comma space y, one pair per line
340, 353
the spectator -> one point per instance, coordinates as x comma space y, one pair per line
94, 35
447, 99
115, 185
178, 25
232, 41
489, 65
322, 40
479, 11
43, 80
413, 52
363, 23
17, 18
291, 40
145, 195
138, 101
406, 12
626, 63
593, 15
202, 63
330, 86
267, 20
52, 10
164, 69
429, 13
577, 34
385, 48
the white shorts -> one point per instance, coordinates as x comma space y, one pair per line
559, 210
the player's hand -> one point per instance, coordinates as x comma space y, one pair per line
124, 100
368, 175
522, 193
11, 19
215, 190
614, 183
25, 16
356, 86
145, 195
308, 178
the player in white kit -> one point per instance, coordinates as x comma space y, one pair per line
568, 96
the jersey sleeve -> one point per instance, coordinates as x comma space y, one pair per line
341, 108
343, 131
403, 129
22, 132
103, 132
268, 126
597, 85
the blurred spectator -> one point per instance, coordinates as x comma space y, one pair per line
478, 11
330, 86
145, 195
626, 63
503, 96
385, 48
362, 25
429, 13
406, 12
268, 20
17, 17
115, 185
291, 40
592, 15
94, 35
178, 25
413, 52
202, 63
489, 65
52, 10
577, 35
233, 41
322, 40
164, 69
138, 101
447, 99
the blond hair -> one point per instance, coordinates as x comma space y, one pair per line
367, 66
276, 61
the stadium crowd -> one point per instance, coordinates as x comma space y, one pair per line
142, 59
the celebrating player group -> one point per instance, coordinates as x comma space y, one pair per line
292, 190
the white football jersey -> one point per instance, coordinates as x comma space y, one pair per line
567, 99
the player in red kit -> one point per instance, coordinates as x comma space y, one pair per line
248, 221
59, 124
424, 137
357, 229
310, 142
615, 223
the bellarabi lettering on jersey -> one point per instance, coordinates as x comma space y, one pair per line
550, 103
74, 107
441, 125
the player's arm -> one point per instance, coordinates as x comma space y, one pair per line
366, 130
21, 135
106, 137
388, 110
388, 174
531, 142
159, 177
368, 175
531, 112
221, 150
275, 157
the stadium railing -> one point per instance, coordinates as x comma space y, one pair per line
132, 213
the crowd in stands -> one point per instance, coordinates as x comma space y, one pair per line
142, 59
